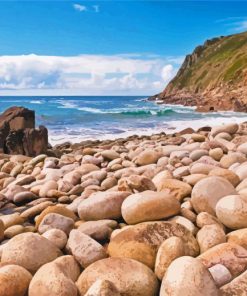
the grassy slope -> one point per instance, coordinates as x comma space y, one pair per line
217, 64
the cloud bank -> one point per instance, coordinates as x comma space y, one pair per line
86, 74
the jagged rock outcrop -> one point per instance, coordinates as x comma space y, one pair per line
213, 77
18, 134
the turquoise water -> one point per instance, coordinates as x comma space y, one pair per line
82, 118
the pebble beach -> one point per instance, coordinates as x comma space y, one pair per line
142, 216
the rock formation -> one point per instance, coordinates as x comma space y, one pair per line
213, 77
18, 134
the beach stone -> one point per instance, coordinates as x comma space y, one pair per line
242, 148
197, 154
110, 154
169, 250
16, 170
181, 172
73, 178
135, 183
178, 188
149, 206
229, 159
14, 280
46, 187
216, 153
193, 178
35, 210
56, 221
230, 128
187, 276
13, 231
56, 278
201, 168
209, 236
102, 205
159, 178
37, 159
231, 210
103, 287
120, 272
98, 230
11, 219
241, 171
227, 174
55, 209
12, 190
189, 214
57, 237
141, 241
238, 237
24, 196
220, 274
207, 192
205, 218
232, 256
29, 250
24, 180
237, 287
84, 249
109, 183
147, 157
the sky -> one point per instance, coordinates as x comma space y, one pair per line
105, 47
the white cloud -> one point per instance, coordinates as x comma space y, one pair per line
241, 26
235, 24
85, 74
80, 7
96, 8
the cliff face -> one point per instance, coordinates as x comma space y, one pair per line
213, 77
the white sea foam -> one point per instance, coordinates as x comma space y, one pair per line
36, 102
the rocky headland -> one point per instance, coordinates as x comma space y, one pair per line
213, 77
144, 216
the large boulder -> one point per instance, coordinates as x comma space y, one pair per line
149, 206
187, 276
56, 278
141, 241
14, 280
30, 250
130, 277
208, 191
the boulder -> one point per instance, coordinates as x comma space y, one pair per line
231, 210
102, 205
149, 206
120, 271
14, 280
187, 276
207, 192
84, 249
232, 256
141, 241
56, 278
29, 250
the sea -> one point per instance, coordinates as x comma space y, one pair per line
79, 118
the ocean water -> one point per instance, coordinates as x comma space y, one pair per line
104, 117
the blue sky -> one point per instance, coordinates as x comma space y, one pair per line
105, 47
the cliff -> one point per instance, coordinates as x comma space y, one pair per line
213, 77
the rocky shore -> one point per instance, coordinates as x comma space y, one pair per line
143, 216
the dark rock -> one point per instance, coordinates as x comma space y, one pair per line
18, 134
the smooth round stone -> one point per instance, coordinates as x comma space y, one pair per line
232, 256
159, 178
135, 183
84, 249
231, 210
46, 187
194, 178
14, 280
242, 148
241, 171
230, 128
220, 274
102, 205
57, 237
238, 237
201, 168
237, 287
209, 236
187, 276
149, 206
197, 154
229, 159
56, 278
216, 153
207, 192
147, 157
29, 250
205, 218
13, 231
141, 241
57, 221
185, 222
178, 188
35, 210
120, 271
11, 219
169, 250
24, 196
